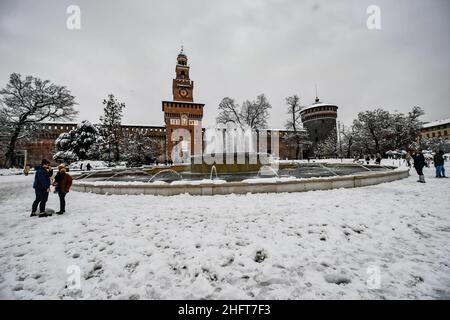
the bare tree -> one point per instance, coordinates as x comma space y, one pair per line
256, 113
29, 101
229, 112
252, 114
298, 135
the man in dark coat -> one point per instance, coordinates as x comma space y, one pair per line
419, 163
41, 187
62, 183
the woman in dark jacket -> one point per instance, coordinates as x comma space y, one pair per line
419, 163
62, 183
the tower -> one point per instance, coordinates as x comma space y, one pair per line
182, 116
320, 121
182, 86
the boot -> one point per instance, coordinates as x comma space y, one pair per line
33, 214
422, 178
43, 215
60, 212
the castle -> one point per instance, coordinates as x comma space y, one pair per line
183, 114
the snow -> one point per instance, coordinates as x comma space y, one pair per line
436, 123
318, 105
94, 164
11, 171
319, 245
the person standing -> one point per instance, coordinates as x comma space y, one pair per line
439, 164
88, 167
62, 183
419, 163
41, 187
378, 159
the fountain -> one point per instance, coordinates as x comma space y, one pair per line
238, 169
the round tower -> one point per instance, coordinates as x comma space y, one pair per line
320, 121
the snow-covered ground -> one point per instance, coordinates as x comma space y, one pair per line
319, 245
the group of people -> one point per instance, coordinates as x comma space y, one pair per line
420, 163
42, 183
88, 167
369, 157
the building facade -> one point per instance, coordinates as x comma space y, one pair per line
439, 128
182, 127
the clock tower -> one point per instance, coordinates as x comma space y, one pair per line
182, 86
182, 116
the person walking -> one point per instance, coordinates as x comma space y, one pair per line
41, 187
439, 164
419, 163
62, 183
88, 167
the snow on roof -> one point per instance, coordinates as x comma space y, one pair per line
436, 123
319, 105
59, 123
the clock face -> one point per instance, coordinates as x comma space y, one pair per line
183, 92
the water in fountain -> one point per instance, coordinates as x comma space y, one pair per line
329, 169
119, 173
213, 168
267, 171
165, 171
231, 149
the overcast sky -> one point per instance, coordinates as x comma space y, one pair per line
236, 48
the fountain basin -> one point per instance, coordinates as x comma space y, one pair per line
260, 185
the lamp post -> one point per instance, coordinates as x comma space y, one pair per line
340, 138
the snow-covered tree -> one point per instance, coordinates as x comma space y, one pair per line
435, 144
253, 114
28, 101
110, 128
347, 136
404, 129
373, 126
377, 131
76, 144
328, 147
139, 149
297, 135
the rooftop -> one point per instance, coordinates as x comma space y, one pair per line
319, 105
436, 123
